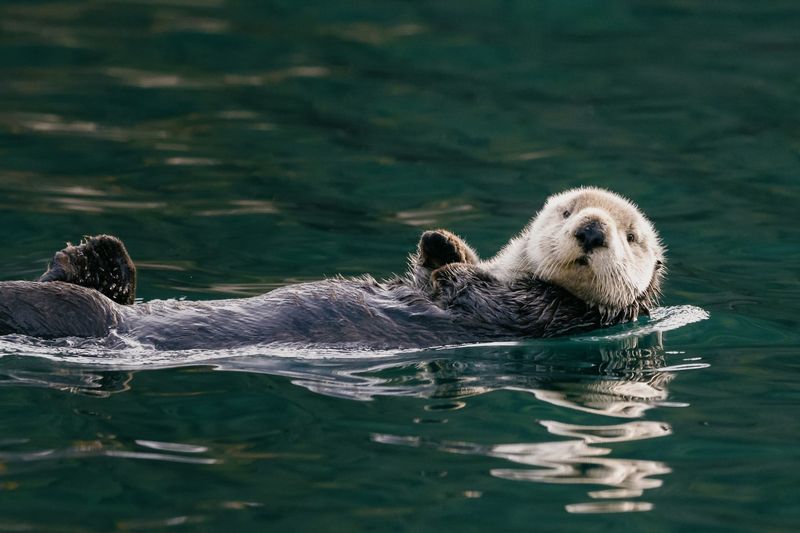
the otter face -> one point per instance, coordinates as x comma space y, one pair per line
597, 245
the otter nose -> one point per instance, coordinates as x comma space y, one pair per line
591, 236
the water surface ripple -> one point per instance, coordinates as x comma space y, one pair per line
240, 145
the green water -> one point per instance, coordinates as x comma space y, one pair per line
237, 146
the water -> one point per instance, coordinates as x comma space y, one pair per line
238, 146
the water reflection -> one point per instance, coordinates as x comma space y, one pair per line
615, 380
623, 379
570, 462
84, 382
108, 447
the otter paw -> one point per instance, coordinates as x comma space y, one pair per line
460, 274
440, 247
100, 262
443, 276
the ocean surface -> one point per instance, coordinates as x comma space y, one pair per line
237, 146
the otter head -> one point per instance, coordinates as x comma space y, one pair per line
598, 246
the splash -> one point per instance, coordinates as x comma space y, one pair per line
119, 352
661, 319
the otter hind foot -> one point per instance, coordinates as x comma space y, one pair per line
100, 262
440, 247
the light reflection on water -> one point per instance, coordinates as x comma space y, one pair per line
339, 130
623, 381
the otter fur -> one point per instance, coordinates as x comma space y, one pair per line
588, 259
592, 242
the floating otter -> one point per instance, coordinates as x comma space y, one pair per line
588, 259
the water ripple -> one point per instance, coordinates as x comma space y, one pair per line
661, 319
614, 377
97, 449
569, 462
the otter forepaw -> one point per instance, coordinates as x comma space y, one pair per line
449, 280
440, 247
444, 276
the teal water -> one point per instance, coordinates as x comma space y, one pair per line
237, 146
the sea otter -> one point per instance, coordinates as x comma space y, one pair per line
588, 259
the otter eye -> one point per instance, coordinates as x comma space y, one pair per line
631, 237
566, 213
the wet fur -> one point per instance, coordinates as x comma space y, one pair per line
612, 277
101, 263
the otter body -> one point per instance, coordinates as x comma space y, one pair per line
342, 312
589, 259
357, 313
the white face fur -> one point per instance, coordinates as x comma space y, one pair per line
596, 244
